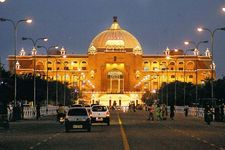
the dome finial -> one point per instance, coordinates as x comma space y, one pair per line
114, 18
115, 25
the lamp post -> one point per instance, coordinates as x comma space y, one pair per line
212, 33
47, 49
34, 48
175, 88
185, 54
64, 89
15, 28
196, 45
167, 81
56, 87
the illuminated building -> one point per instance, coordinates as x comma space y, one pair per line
116, 69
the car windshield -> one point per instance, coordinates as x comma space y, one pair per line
77, 112
99, 108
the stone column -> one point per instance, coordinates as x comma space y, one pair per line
119, 85
110, 89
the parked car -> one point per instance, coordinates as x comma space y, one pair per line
77, 118
76, 105
100, 114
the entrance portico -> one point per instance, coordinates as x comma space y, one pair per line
119, 99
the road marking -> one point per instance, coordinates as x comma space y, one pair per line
197, 138
31, 147
124, 137
38, 143
45, 140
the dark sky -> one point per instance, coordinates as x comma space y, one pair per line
155, 23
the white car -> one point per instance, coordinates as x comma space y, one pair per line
77, 118
100, 114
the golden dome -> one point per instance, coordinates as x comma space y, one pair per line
115, 39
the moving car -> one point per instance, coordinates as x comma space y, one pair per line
77, 118
76, 105
100, 114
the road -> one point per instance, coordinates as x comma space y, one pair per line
129, 130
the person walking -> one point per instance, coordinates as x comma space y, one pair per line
151, 112
186, 111
222, 112
38, 112
158, 112
172, 114
164, 111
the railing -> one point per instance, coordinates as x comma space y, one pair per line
30, 112
193, 111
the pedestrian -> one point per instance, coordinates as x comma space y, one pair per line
172, 114
186, 108
38, 112
158, 112
164, 111
151, 112
133, 107
10, 111
222, 112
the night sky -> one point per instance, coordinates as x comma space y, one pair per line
155, 23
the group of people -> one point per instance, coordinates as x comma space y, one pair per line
12, 111
159, 112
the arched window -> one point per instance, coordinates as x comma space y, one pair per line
83, 65
181, 63
146, 66
40, 66
190, 65
172, 63
155, 65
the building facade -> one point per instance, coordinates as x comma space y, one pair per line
115, 69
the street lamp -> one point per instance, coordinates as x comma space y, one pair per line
15, 28
2, 1
34, 48
47, 49
196, 45
223, 9
212, 33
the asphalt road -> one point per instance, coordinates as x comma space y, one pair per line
127, 131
